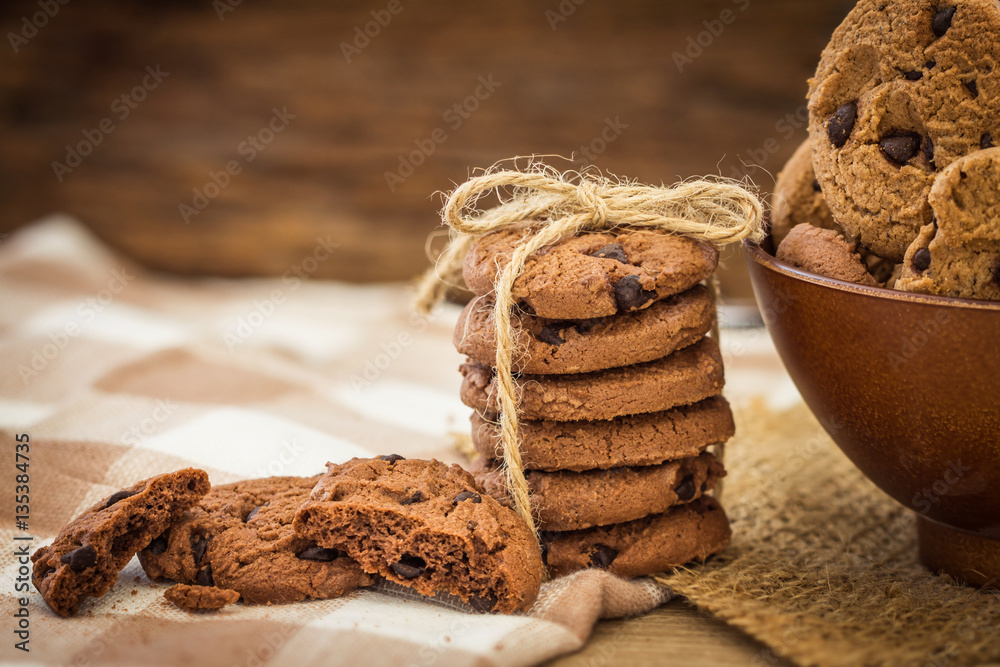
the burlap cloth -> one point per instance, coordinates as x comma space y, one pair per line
116, 375
823, 568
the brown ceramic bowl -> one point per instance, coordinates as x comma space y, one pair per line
908, 386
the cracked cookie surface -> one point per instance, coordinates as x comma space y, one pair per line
582, 346
592, 275
635, 440
682, 378
85, 558
428, 526
655, 543
240, 537
565, 500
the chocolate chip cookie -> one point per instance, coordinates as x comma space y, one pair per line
686, 533
566, 500
581, 346
592, 275
960, 255
200, 598
85, 558
240, 537
798, 197
426, 525
637, 440
682, 378
824, 252
904, 89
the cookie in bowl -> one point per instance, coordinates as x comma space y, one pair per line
959, 254
824, 252
798, 197
904, 89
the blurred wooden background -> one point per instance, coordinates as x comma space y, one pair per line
604, 64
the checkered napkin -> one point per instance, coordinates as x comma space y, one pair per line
116, 374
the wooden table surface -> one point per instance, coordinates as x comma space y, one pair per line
673, 633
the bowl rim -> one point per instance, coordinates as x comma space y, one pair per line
762, 257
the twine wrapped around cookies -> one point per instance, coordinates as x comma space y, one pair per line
718, 211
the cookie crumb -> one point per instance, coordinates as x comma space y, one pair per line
200, 598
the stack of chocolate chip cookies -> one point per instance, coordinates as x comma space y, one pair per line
619, 395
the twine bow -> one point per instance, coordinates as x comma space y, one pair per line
718, 211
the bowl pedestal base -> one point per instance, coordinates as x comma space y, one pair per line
974, 560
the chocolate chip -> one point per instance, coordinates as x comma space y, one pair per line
158, 545
584, 326
840, 124
466, 495
320, 554
686, 489
198, 549
930, 64
942, 21
929, 151
922, 260
817, 187
613, 251
121, 495
47, 572
417, 497
630, 295
483, 604
391, 458
204, 577
900, 148
996, 274
986, 141
252, 513
972, 87
550, 335
80, 559
409, 567
602, 556
913, 76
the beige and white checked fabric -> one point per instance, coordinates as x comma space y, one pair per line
116, 374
